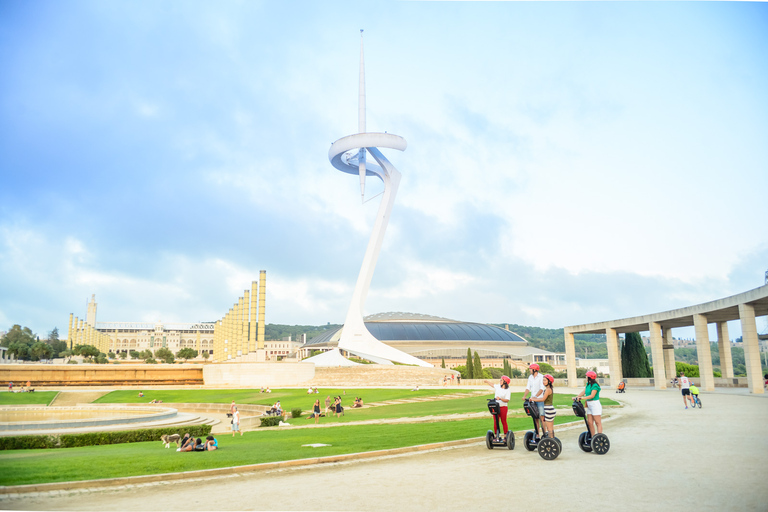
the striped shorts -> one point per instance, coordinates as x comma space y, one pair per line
549, 412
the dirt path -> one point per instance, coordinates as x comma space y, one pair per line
662, 457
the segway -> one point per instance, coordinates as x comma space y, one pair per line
598, 443
549, 447
492, 439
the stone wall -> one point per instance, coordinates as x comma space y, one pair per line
101, 374
257, 375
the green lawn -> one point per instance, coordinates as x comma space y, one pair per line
289, 398
293, 398
36, 398
68, 464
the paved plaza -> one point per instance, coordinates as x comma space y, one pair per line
662, 456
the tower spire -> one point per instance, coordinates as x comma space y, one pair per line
361, 119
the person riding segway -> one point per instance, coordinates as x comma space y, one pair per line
498, 406
593, 439
535, 387
549, 446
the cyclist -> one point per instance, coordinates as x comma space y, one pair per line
591, 395
694, 395
548, 418
502, 394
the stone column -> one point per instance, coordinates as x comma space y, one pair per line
262, 308
724, 347
669, 354
704, 353
751, 348
70, 332
570, 359
253, 316
657, 354
614, 357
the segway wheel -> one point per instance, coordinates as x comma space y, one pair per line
601, 444
511, 440
549, 449
559, 442
528, 441
489, 440
582, 445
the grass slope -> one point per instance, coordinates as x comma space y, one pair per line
36, 398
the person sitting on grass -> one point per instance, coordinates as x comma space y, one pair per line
211, 444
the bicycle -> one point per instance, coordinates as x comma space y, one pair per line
696, 401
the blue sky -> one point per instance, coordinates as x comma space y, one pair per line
567, 162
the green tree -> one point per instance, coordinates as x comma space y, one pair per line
206, 355
165, 355
477, 367
462, 371
122, 355
101, 358
111, 355
57, 346
470, 370
690, 370
19, 342
88, 351
186, 353
145, 354
443, 364
517, 373
546, 368
634, 360
40, 350
135, 354
66, 354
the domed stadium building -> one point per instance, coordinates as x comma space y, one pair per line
433, 339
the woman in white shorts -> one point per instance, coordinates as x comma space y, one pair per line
594, 409
547, 398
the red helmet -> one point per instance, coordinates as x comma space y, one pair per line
505, 379
591, 375
534, 366
550, 378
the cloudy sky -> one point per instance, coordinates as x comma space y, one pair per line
567, 162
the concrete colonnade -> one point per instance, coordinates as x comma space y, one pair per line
744, 307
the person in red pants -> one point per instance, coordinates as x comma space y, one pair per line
502, 395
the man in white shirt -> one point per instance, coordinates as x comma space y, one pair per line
685, 385
535, 387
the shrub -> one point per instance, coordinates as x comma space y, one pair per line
71, 361
689, 369
97, 438
296, 413
271, 421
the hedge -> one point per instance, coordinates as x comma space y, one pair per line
97, 438
271, 421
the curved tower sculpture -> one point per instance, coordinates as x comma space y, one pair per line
348, 154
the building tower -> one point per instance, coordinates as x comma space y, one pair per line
348, 155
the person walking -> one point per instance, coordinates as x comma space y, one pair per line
591, 395
547, 398
502, 394
535, 387
685, 387
236, 422
316, 411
